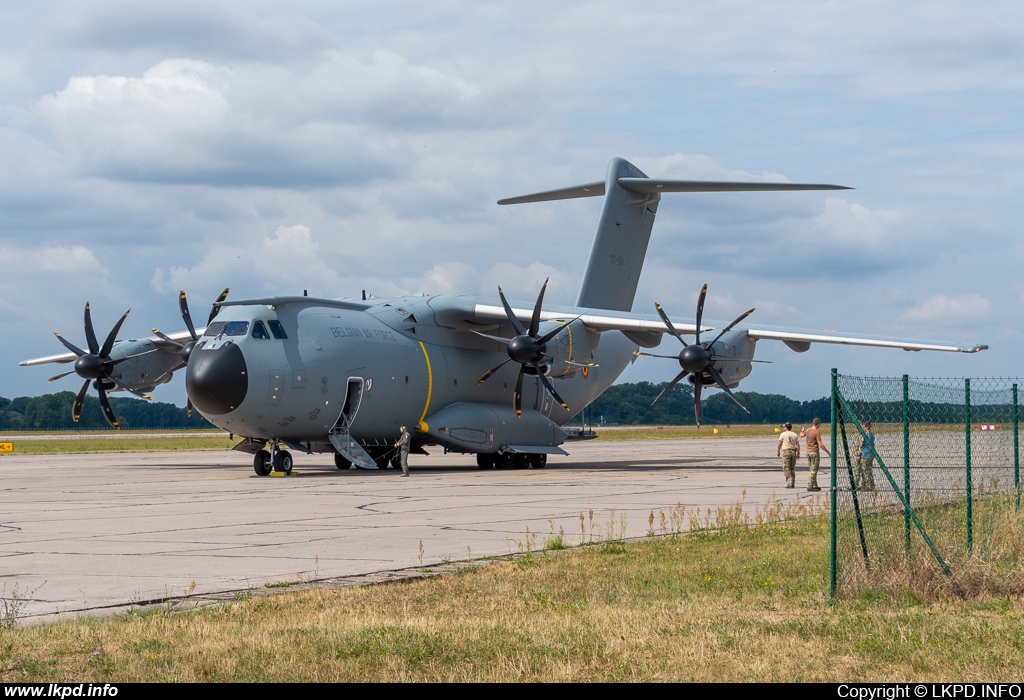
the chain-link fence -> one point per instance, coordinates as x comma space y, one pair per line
926, 486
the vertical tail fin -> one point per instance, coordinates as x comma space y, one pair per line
630, 203
617, 256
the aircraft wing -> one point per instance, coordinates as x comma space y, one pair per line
181, 336
634, 324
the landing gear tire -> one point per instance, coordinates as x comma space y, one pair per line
505, 460
262, 464
382, 460
485, 461
519, 462
537, 461
341, 462
283, 461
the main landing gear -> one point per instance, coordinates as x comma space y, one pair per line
274, 460
511, 460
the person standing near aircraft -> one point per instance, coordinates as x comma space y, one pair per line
814, 445
865, 476
789, 449
403, 450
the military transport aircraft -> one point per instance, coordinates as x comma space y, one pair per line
469, 374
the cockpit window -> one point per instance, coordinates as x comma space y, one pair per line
215, 328
277, 330
236, 328
260, 331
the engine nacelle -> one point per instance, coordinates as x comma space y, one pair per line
152, 366
575, 344
738, 347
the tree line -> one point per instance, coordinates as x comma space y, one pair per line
630, 404
621, 404
53, 412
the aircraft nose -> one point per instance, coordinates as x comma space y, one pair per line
216, 380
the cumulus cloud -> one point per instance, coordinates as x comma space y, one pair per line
943, 310
285, 263
190, 121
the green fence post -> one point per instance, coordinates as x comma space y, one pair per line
967, 433
832, 490
906, 459
1016, 451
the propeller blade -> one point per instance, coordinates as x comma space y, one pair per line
517, 398
185, 315
496, 338
547, 385
109, 342
535, 319
61, 376
215, 309
488, 374
716, 358
551, 334
670, 385
668, 324
721, 385
696, 399
169, 339
128, 388
105, 405
90, 334
73, 348
664, 357
729, 327
76, 407
128, 357
511, 316
700, 310
188, 407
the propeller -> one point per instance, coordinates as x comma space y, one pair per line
699, 358
96, 366
528, 349
185, 349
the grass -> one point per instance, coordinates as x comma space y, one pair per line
677, 432
67, 442
119, 443
744, 604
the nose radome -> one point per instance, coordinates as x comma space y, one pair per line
216, 380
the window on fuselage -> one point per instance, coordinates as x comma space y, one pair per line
236, 328
260, 331
277, 329
215, 328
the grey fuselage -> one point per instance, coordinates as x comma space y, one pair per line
414, 357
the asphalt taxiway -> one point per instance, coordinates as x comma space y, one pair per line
102, 533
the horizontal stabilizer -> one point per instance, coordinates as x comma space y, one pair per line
645, 185
594, 189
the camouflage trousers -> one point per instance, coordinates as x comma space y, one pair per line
789, 467
404, 456
864, 475
813, 462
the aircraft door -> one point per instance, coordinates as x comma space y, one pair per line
353, 397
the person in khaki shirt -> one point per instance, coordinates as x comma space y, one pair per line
814, 446
789, 450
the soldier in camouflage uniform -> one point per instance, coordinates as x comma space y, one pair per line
789, 449
864, 474
403, 445
814, 446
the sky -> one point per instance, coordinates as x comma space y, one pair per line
336, 147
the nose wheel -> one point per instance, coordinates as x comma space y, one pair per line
273, 460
